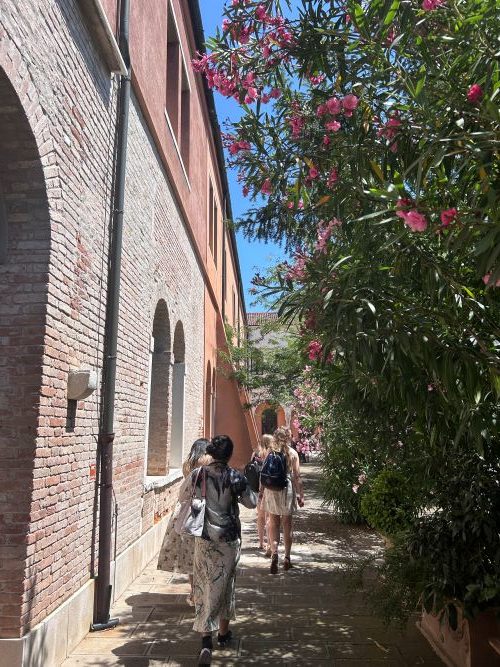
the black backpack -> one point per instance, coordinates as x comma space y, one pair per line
252, 473
273, 473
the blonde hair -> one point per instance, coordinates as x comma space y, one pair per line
281, 443
266, 444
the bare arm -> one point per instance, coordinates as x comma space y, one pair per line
296, 478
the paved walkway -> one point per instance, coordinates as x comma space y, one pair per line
307, 616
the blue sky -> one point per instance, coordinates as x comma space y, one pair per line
253, 255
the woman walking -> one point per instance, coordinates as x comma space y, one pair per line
260, 455
280, 504
217, 551
177, 551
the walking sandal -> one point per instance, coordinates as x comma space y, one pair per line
286, 563
274, 564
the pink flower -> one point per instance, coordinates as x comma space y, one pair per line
244, 36
415, 221
313, 172
334, 105
333, 126
350, 102
333, 177
321, 110
314, 350
266, 188
251, 95
246, 190
475, 93
487, 278
448, 216
298, 270
326, 140
355, 488
403, 203
316, 80
261, 14
362, 478
275, 93
431, 5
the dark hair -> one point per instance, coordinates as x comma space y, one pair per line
220, 448
198, 449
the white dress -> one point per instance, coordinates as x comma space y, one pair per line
282, 501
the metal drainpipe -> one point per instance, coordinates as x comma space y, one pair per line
106, 427
224, 267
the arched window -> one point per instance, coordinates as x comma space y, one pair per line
178, 382
269, 421
159, 379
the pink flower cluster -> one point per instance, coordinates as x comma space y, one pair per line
298, 269
235, 145
389, 131
314, 350
431, 5
335, 106
448, 216
475, 93
411, 217
487, 279
325, 230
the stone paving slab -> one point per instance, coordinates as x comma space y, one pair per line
307, 616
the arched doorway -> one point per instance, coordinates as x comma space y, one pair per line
269, 421
159, 379
178, 382
24, 269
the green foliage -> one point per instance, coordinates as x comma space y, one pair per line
451, 554
407, 321
387, 505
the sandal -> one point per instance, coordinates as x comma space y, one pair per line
287, 563
274, 564
224, 639
268, 553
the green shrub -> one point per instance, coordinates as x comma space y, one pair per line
387, 505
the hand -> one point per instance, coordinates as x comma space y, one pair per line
300, 501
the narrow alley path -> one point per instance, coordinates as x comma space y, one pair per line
307, 616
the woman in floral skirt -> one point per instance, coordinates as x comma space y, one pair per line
217, 551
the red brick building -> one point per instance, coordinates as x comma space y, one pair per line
60, 74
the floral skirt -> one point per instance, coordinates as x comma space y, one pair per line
214, 576
177, 551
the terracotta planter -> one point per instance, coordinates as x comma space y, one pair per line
468, 645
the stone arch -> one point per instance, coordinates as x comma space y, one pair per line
269, 417
24, 271
158, 400
178, 392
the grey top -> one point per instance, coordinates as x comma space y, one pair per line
225, 488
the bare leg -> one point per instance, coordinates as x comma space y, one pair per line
223, 626
261, 526
287, 533
274, 532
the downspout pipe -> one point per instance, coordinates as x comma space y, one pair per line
106, 438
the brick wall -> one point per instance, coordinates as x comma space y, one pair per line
66, 93
23, 297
